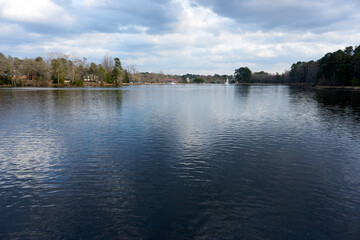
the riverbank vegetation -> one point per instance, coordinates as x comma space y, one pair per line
60, 70
339, 68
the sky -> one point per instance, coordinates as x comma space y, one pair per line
181, 36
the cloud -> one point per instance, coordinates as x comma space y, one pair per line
288, 15
114, 16
181, 36
39, 11
69, 17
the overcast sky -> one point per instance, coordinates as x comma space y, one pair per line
181, 36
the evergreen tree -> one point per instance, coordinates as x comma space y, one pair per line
243, 74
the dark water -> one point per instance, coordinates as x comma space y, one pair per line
179, 162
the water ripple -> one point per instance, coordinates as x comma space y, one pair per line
179, 162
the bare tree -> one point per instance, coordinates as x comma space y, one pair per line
78, 68
132, 71
108, 63
56, 55
59, 65
42, 69
3, 63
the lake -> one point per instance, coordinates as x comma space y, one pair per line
179, 162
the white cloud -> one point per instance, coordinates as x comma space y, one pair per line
89, 3
197, 18
8, 30
198, 40
34, 11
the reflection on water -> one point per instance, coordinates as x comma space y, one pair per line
179, 162
345, 104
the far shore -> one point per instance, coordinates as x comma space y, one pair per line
353, 88
349, 88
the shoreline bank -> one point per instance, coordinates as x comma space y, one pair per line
348, 88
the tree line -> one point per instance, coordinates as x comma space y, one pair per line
60, 69
339, 68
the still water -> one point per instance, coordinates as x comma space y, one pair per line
179, 162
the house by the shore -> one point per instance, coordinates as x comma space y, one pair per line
91, 78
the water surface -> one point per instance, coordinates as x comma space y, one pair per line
179, 162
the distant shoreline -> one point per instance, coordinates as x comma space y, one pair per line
352, 88
348, 88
